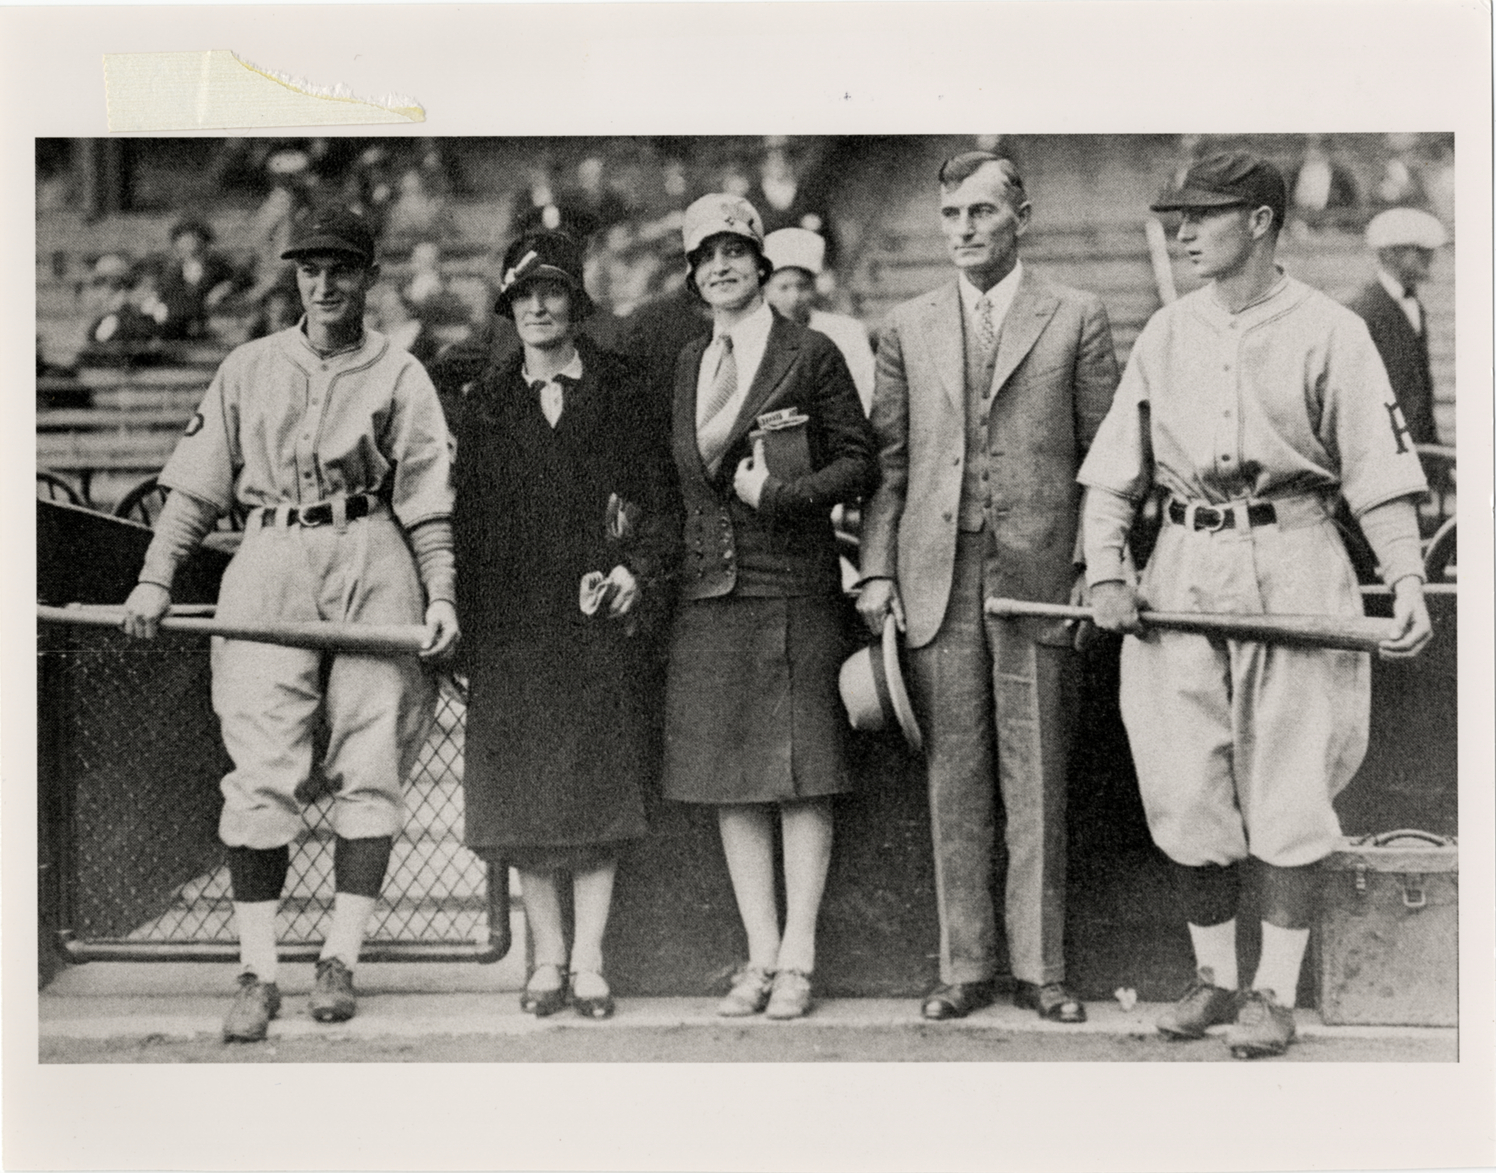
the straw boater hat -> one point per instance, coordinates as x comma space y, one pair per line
1404, 226
872, 689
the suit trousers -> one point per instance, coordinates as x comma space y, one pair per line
997, 711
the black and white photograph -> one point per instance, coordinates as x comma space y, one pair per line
877, 601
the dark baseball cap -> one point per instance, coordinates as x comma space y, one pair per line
331, 229
1232, 180
544, 254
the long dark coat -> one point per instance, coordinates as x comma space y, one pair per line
562, 708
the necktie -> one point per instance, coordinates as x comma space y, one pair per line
552, 398
710, 439
986, 331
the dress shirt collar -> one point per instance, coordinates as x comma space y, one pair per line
751, 333
572, 371
1000, 295
1409, 304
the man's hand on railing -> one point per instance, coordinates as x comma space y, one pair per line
144, 609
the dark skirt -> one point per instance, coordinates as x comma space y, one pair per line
559, 745
752, 711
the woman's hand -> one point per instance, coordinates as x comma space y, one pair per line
441, 621
626, 597
748, 481
147, 603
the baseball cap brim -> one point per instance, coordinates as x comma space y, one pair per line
325, 244
1194, 197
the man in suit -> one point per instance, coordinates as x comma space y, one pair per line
988, 392
1403, 241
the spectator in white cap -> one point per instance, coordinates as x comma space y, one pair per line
1403, 240
768, 436
799, 257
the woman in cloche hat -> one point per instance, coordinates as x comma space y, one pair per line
768, 436
566, 526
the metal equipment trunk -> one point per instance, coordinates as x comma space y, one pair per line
1389, 931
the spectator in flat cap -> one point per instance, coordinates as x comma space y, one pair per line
1403, 242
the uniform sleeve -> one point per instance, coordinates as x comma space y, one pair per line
878, 556
420, 447
208, 457
1120, 459
1362, 425
848, 467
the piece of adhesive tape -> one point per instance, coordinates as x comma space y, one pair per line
215, 90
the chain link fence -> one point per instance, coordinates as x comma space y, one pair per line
131, 760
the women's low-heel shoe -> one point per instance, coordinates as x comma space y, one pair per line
601, 1006
541, 1003
749, 994
790, 997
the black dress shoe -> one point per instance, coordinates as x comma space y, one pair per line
957, 1000
1053, 1001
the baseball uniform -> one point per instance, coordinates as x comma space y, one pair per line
281, 429
1269, 414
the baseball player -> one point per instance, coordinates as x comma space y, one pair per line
1251, 405
333, 442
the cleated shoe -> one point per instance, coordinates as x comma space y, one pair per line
332, 1000
254, 1006
1203, 1005
1262, 1027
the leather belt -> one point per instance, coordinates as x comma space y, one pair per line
1213, 517
315, 515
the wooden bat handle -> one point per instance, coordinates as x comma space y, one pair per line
1353, 633
367, 639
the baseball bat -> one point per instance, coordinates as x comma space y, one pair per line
366, 639
1356, 634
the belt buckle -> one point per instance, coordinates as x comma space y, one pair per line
1196, 522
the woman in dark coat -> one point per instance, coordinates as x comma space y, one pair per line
565, 505
768, 436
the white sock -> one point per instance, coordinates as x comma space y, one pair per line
1215, 950
1282, 956
350, 918
256, 926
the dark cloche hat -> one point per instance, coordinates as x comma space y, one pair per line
544, 254
1233, 180
331, 229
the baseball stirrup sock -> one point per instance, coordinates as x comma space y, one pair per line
255, 922
1289, 895
1207, 895
258, 874
359, 865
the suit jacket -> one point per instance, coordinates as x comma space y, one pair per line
1054, 375
786, 546
1405, 355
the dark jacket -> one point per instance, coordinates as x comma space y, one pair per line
1405, 355
786, 547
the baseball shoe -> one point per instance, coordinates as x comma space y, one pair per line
254, 1006
1262, 1027
1053, 1002
332, 999
1203, 1005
